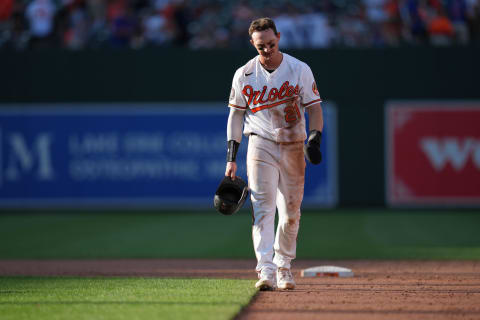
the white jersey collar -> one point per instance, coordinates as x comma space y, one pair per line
271, 74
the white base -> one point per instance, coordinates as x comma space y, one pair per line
327, 271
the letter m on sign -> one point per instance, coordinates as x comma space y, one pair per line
24, 158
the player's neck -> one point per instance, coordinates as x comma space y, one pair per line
273, 63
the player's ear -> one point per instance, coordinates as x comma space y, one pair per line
278, 35
251, 41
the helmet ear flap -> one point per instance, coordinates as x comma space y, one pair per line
230, 195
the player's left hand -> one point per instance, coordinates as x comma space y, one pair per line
312, 148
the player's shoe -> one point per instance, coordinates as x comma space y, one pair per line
266, 280
285, 279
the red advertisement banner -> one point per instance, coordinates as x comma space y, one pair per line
433, 153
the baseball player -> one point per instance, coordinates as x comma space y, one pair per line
268, 100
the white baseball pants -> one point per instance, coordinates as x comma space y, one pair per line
276, 176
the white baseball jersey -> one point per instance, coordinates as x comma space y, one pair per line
275, 102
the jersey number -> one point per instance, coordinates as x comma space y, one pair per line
292, 113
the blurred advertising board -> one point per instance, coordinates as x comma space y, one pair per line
127, 155
432, 153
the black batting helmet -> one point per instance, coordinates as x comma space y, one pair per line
230, 195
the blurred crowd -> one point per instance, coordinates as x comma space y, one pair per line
205, 24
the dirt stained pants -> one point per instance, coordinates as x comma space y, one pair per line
276, 176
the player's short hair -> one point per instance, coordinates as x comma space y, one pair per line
261, 25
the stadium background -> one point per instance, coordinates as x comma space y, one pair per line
360, 82
364, 55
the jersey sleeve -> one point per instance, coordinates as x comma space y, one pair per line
237, 99
309, 92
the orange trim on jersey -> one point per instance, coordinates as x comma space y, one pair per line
268, 106
307, 104
238, 107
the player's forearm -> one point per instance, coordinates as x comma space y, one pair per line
234, 135
235, 125
315, 117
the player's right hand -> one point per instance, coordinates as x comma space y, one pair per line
231, 170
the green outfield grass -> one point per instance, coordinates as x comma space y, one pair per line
336, 234
122, 298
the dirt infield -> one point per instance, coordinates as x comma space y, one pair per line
379, 289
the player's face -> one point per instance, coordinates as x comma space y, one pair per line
266, 43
